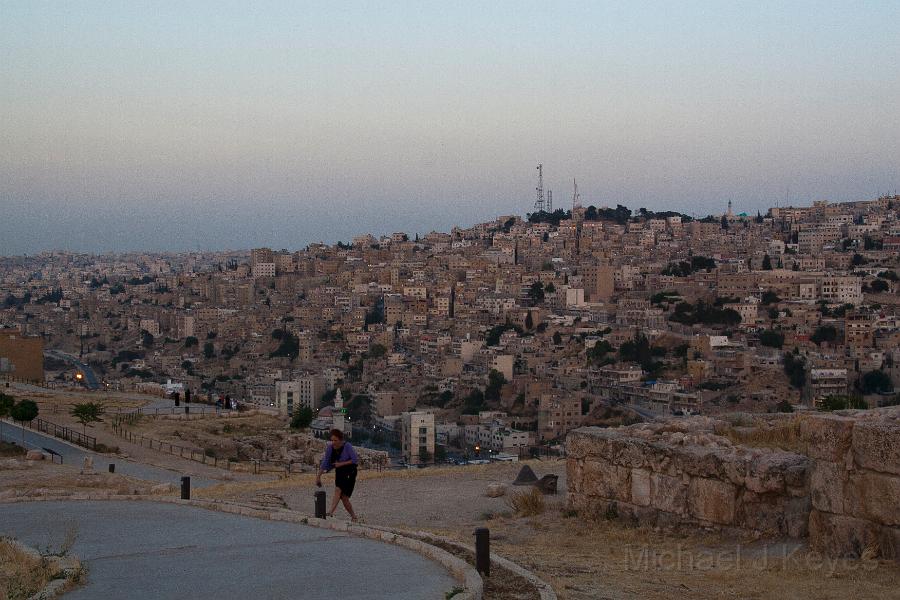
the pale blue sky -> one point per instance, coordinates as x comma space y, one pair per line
184, 125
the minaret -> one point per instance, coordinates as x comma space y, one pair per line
337, 417
730, 212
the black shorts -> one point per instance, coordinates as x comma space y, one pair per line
345, 480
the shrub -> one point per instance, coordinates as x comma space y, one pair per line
527, 504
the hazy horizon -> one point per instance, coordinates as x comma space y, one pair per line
168, 127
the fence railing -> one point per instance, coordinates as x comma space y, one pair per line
253, 466
66, 433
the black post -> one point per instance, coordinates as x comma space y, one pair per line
483, 551
185, 488
320, 504
187, 409
112, 467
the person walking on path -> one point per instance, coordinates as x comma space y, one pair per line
340, 456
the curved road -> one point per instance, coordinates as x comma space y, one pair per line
74, 455
144, 550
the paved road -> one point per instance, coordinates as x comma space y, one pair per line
90, 379
144, 550
73, 455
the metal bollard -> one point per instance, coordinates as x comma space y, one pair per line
320, 504
483, 551
185, 488
112, 467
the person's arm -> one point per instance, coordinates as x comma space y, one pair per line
323, 466
352, 459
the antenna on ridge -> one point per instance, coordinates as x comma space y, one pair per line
575, 197
539, 203
549, 200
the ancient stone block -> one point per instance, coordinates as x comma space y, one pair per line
711, 500
668, 494
640, 487
826, 486
574, 475
34, 455
874, 496
876, 445
606, 481
827, 437
495, 490
889, 543
842, 536
768, 472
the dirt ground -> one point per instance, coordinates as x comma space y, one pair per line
588, 560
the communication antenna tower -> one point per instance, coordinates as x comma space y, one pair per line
549, 200
576, 198
539, 203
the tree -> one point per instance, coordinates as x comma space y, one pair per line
771, 338
424, 455
209, 351
557, 338
147, 339
474, 402
529, 321
6, 404
876, 381
495, 383
879, 285
440, 453
24, 411
377, 351
536, 292
302, 418
824, 333
190, 341
795, 369
724, 222
770, 297
767, 263
87, 413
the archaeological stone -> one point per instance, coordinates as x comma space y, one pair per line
837, 481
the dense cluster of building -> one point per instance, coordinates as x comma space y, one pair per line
504, 335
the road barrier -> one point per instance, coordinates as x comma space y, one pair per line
65, 433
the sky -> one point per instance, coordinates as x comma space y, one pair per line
226, 125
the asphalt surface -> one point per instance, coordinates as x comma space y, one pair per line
144, 550
73, 455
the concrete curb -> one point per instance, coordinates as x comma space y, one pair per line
544, 589
463, 572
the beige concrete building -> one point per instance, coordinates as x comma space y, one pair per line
417, 437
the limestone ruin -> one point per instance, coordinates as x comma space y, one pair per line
832, 477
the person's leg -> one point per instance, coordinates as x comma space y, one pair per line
348, 506
334, 501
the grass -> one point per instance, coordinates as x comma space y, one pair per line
21, 574
8, 449
782, 436
527, 504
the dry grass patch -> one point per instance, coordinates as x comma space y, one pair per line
21, 574
782, 436
527, 504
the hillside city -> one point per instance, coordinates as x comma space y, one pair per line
495, 339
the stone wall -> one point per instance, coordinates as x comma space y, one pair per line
855, 483
653, 475
840, 485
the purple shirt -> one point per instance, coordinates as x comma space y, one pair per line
346, 453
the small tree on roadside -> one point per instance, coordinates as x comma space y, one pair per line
24, 411
6, 404
87, 413
302, 418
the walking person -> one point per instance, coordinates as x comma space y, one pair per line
340, 456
